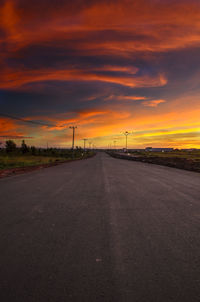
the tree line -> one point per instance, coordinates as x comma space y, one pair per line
12, 149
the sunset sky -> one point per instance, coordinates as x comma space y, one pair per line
105, 66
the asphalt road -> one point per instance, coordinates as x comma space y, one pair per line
101, 229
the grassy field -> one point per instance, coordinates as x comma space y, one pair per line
17, 161
192, 155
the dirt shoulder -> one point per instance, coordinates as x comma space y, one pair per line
175, 162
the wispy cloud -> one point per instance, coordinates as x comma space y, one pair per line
125, 97
153, 103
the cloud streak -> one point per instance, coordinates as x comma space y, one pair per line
153, 103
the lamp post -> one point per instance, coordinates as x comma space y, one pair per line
126, 133
85, 139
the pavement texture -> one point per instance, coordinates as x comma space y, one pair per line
101, 229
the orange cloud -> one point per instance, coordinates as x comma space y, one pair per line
154, 26
9, 19
102, 125
153, 103
6, 125
15, 79
10, 128
125, 97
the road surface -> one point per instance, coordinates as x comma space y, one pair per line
101, 229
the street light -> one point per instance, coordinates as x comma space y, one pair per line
84, 139
126, 133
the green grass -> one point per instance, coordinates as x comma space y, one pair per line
17, 161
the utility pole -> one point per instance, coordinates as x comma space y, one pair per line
114, 144
90, 144
126, 133
73, 136
85, 139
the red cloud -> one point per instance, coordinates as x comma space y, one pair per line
140, 25
15, 79
154, 25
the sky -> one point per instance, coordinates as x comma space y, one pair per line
105, 66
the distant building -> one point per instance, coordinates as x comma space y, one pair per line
159, 149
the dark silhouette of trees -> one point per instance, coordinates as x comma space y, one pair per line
24, 147
33, 150
10, 146
24, 150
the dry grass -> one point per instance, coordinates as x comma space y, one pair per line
18, 161
192, 155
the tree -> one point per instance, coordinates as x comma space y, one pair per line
10, 146
33, 150
24, 147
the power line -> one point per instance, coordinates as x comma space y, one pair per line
25, 121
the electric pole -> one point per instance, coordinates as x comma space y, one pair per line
73, 136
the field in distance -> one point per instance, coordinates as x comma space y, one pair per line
193, 155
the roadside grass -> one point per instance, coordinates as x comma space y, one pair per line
10, 161
18, 161
187, 160
189, 155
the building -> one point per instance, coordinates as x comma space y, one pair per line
159, 149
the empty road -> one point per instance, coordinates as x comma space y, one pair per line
101, 229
